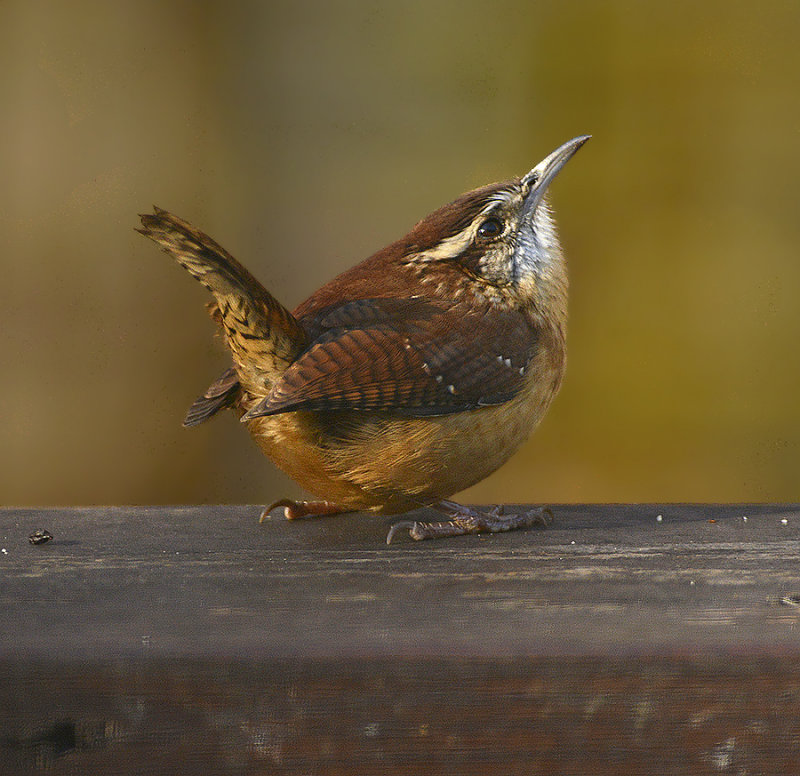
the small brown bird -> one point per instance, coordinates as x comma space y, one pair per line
409, 377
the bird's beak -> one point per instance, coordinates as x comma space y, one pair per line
539, 177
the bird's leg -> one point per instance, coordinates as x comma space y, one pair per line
293, 510
465, 520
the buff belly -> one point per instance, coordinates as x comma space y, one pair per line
388, 464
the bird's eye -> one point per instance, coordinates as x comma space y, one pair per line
491, 227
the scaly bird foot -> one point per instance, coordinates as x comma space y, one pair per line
464, 520
293, 510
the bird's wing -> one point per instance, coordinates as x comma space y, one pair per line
411, 357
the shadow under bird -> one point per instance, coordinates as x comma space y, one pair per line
409, 377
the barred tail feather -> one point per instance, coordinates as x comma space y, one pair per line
263, 336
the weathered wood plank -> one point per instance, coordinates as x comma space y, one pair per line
210, 581
191, 639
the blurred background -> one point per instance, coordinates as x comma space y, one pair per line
305, 135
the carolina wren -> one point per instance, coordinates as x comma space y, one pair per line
409, 377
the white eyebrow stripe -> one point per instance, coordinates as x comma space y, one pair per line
449, 248
455, 245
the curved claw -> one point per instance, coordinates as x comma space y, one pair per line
293, 510
281, 502
288, 509
411, 525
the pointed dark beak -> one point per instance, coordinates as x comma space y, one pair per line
540, 177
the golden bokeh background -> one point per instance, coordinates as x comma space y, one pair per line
305, 135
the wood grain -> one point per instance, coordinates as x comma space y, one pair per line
191, 639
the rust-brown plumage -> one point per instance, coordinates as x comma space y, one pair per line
409, 377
